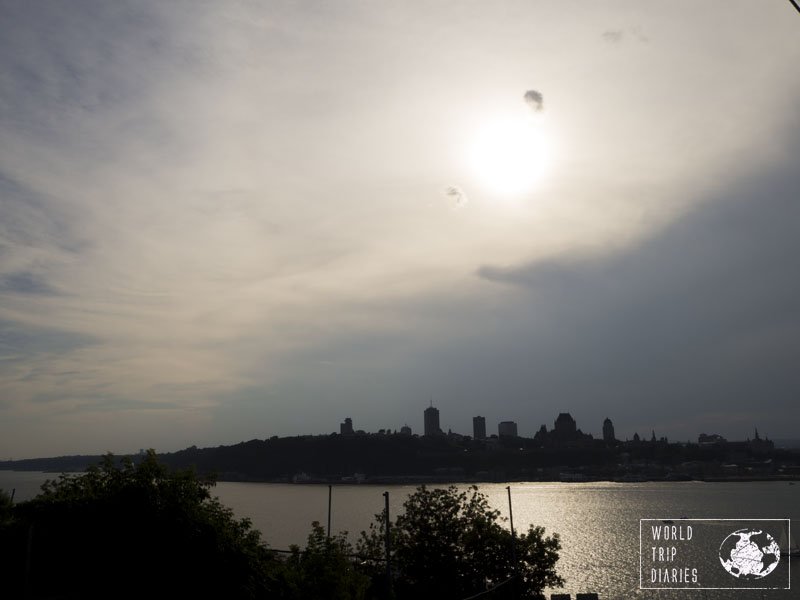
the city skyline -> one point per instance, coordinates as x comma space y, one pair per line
222, 221
564, 424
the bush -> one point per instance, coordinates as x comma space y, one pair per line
448, 543
5, 508
325, 569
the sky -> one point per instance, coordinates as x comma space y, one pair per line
227, 221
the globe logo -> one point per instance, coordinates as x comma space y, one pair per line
749, 554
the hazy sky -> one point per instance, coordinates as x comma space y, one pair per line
222, 221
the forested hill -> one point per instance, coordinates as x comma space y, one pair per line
57, 464
336, 456
392, 457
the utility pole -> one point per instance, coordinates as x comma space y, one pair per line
513, 544
388, 547
330, 494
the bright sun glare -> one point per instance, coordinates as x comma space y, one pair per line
509, 155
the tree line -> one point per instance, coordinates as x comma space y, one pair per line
126, 530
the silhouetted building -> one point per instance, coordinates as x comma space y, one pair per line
709, 440
405, 430
346, 428
759, 445
636, 437
454, 436
608, 432
507, 429
565, 426
565, 432
432, 421
479, 428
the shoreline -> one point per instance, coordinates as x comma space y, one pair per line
434, 479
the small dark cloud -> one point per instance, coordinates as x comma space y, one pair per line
613, 36
456, 196
534, 99
25, 283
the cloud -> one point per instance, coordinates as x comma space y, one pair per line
25, 283
456, 196
534, 99
613, 36
25, 343
179, 219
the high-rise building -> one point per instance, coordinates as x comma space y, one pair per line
405, 430
507, 429
432, 421
479, 428
608, 431
346, 428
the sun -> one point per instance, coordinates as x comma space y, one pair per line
509, 154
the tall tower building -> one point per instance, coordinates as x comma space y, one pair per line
479, 428
346, 428
608, 431
432, 421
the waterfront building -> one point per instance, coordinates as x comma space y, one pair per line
711, 439
759, 445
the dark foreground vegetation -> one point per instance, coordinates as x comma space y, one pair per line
125, 530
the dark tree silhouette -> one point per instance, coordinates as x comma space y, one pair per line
5, 508
126, 530
325, 569
450, 543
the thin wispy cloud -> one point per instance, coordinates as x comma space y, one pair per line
616, 36
456, 196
